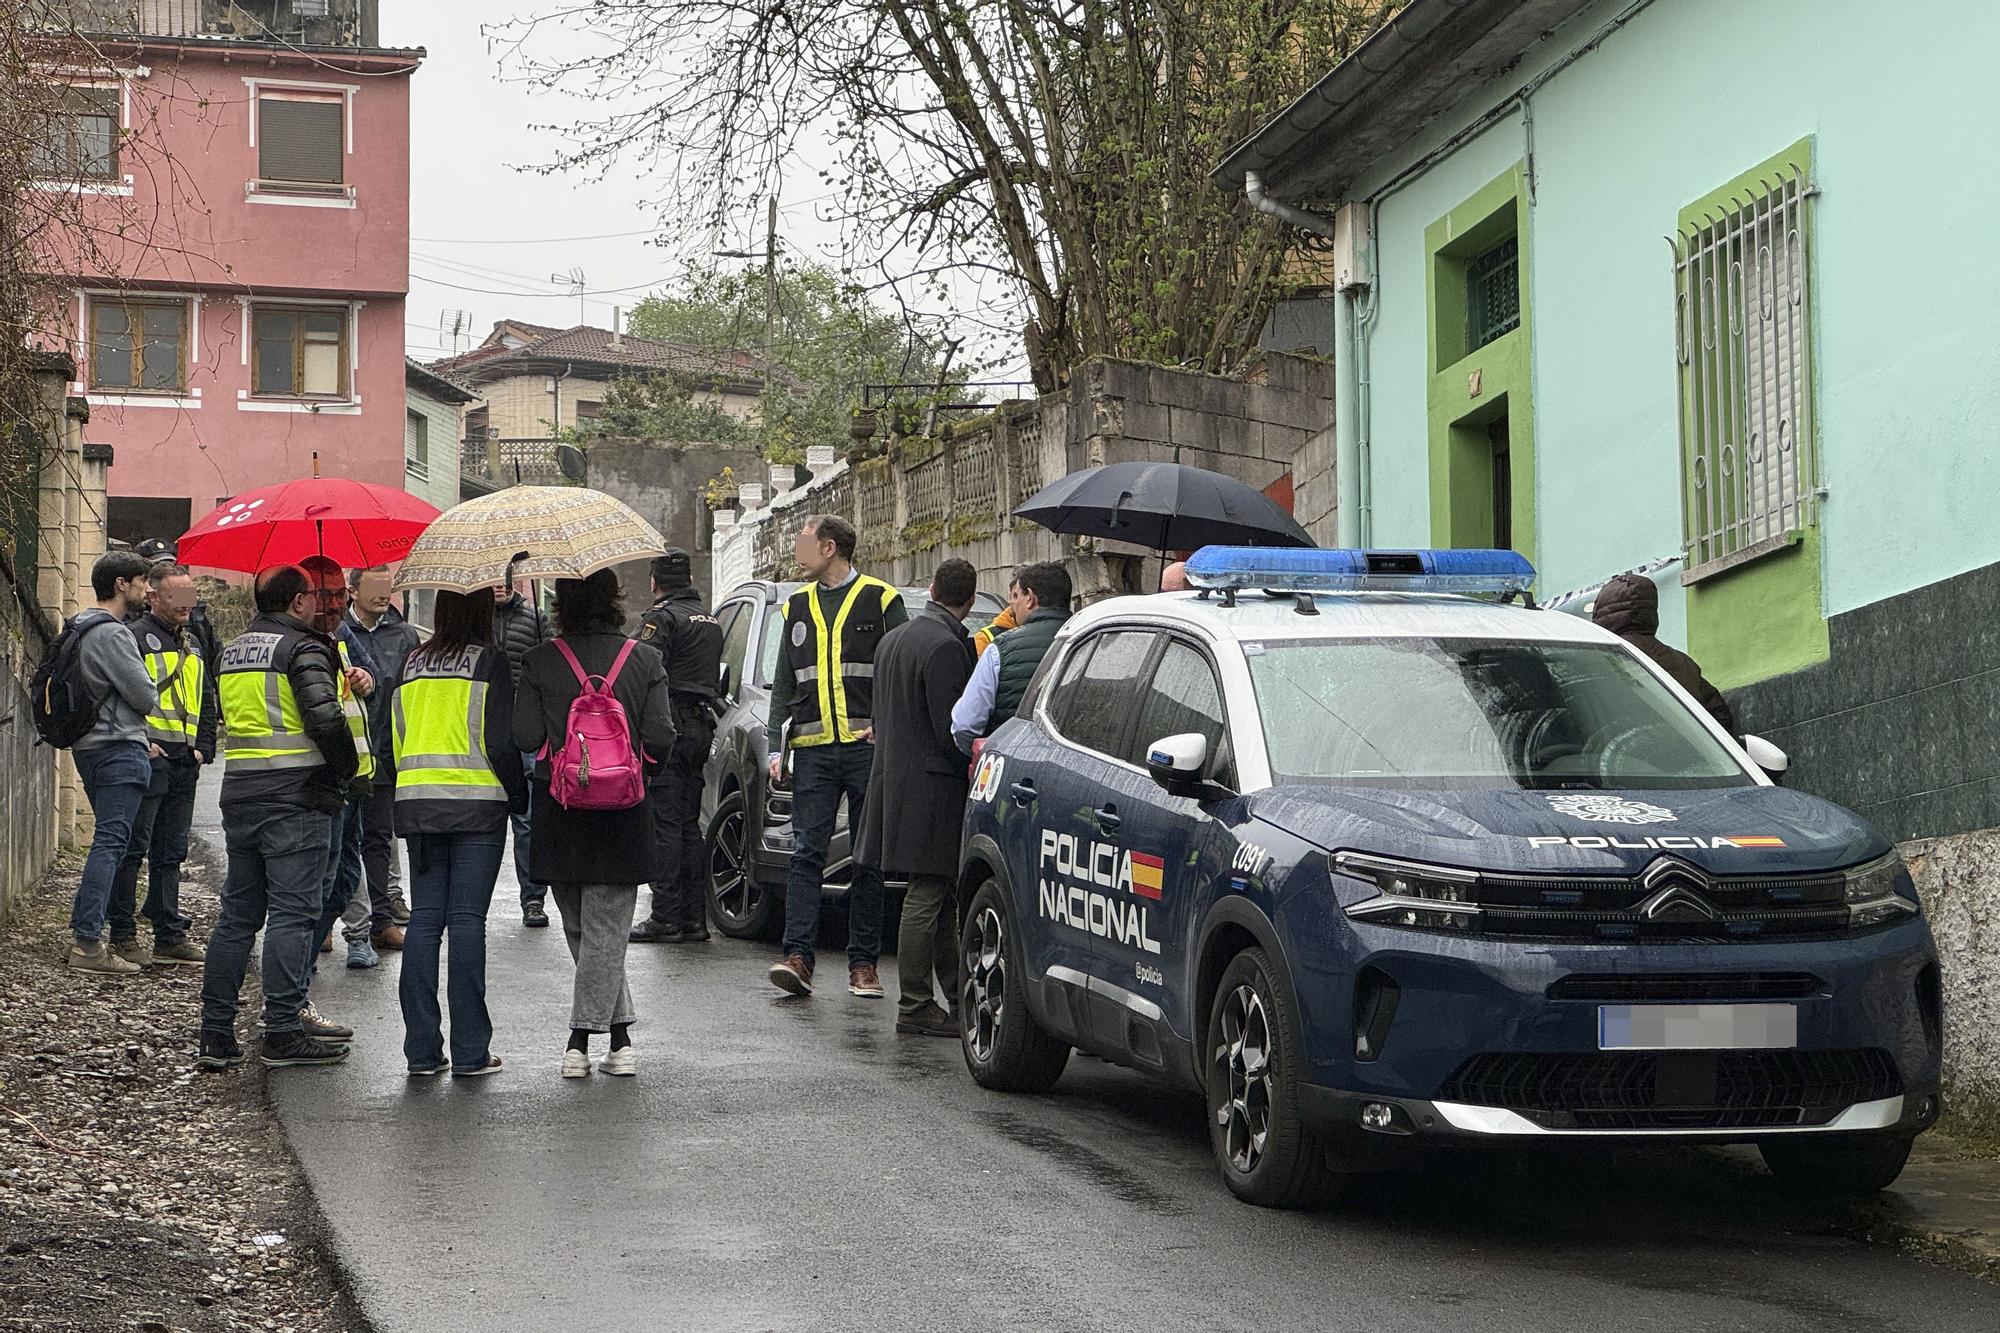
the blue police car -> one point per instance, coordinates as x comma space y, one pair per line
1371, 856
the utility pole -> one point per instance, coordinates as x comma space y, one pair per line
770, 289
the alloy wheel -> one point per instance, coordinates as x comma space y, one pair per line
985, 984
1243, 1064
735, 892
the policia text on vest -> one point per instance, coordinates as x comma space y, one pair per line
272, 677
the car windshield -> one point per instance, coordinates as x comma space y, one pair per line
1426, 712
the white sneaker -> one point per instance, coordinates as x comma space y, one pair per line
576, 1064
624, 1062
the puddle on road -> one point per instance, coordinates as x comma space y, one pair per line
1074, 1157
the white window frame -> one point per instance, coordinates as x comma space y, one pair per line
121, 187
349, 405
187, 400
258, 191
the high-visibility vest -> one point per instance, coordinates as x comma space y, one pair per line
834, 665
179, 674
266, 728
438, 722
357, 716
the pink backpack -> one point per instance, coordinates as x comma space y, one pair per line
596, 767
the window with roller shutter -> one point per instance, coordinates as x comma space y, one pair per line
301, 143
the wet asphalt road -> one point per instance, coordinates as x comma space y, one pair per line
791, 1164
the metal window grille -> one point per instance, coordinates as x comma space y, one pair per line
1493, 294
1742, 335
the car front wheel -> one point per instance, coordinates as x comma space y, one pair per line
742, 907
1266, 1153
1851, 1167
1004, 1047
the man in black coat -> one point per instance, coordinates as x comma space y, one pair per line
916, 790
518, 626
680, 626
1629, 606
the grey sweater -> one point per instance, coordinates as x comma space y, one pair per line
114, 672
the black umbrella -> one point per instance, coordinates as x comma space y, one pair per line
1165, 506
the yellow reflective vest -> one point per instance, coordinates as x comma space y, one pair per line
181, 677
438, 721
266, 729
834, 664
357, 715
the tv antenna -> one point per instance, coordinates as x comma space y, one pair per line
574, 281
451, 329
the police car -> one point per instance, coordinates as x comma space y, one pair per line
1373, 856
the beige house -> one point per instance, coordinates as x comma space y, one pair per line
533, 380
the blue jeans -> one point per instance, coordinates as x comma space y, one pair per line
821, 775
160, 839
532, 894
277, 881
451, 886
115, 779
343, 868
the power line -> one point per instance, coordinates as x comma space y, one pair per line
497, 291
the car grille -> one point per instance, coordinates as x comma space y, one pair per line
1688, 986
1676, 1089
1758, 908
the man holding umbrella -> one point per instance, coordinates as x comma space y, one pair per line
289, 762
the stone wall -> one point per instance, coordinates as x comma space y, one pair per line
668, 485
1958, 879
28, 815
954, 495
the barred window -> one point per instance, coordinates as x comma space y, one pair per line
1493, 294
1742, 339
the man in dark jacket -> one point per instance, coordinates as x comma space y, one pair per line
180, 734
519, 625
1629, 606
289, 764
379, 630
1039, 598
916, 789
680, 626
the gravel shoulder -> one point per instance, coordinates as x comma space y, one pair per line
134, 1192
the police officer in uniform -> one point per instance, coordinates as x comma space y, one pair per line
680, 626
180, 734
289, 762
825, 681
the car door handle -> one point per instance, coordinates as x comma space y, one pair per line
1106, 818
1024, 792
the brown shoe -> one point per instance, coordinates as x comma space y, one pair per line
862, 981
794, 975
326, 945
389, 937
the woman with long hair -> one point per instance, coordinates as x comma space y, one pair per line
593, 860
458, 776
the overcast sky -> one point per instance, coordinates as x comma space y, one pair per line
487, 239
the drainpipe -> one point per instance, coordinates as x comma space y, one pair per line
1349, 423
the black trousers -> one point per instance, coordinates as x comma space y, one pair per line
680, 888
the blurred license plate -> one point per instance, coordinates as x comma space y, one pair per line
1697, 1027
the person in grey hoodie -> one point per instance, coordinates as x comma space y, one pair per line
114, 758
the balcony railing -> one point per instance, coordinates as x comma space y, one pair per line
293, 22
504, 462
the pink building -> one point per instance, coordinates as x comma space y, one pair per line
241, 308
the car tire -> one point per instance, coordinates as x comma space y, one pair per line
741, 906
1848, 1166
1256, 1054
1005, 1048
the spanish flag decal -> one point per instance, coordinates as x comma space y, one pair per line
1149, 873
1758, 840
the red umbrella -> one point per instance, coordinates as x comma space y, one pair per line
355, 523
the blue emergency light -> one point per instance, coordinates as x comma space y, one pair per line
1230, 568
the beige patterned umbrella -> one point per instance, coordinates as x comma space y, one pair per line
543, 532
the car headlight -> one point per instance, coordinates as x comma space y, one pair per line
1880, 892
1410, 894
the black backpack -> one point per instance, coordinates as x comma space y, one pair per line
64, 710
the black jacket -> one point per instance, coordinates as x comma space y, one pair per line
517, 627
1629, 606
313, 668
414, 816
590, 846
690, 639
391, 641
917, 780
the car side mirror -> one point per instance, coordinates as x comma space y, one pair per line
1177, 762
1775, 762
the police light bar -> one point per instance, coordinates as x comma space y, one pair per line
1284, 570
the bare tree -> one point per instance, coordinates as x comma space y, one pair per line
1062, 146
